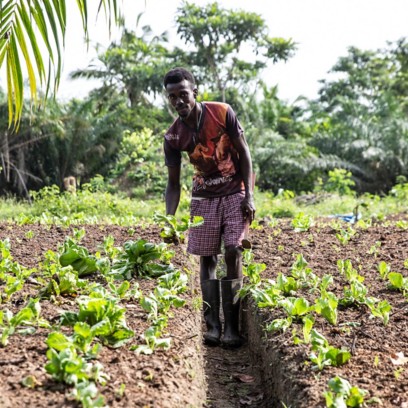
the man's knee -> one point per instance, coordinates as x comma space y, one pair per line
232, 252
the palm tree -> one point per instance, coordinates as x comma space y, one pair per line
26, 28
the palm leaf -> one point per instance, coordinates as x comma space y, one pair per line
27, 26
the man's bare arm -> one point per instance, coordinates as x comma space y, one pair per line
173, 190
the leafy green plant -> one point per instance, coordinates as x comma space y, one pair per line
252, 270
175, 282
268, 296
28, 318
174, 230
157, 305
374, 249
380, 309
279, 325
346, 269
325, 355
68, 366
136, 259
384, 269
286, 284
308, 322
77, 256
342, 394
59, 280
304, 275
326, 305
104, 316
88, 395
355, 294
302, 222
397, 281
12, 273
81, 340
402, 224
295, 307
345, 235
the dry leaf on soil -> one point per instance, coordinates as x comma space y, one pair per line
398, 358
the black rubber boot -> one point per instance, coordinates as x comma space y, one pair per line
231, 306
211, 305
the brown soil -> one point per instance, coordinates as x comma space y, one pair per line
286, 377
267, 371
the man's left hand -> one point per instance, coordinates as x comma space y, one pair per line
248, 209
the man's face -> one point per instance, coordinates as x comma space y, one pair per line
182, 97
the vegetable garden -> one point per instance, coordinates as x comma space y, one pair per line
111, 316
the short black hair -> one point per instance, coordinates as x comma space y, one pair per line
176, 75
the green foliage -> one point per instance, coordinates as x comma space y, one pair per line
139, 168
302, 222
174, 229
12, 273
361, 121
326, 305
78, 257
341, 394
217, 36
27, 317
339, 181
397, 281
138, 259
103, 315
325, 355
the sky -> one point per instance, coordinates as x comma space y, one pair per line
322, 29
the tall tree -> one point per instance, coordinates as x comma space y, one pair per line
361, 116
219, 37
134, 66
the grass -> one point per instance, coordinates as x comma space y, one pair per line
51, 206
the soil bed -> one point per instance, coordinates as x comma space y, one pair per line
173, 378
286, 377
190, 375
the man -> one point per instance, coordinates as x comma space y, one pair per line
222, 194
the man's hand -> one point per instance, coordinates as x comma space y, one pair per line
248, 208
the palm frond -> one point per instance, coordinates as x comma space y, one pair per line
27, 27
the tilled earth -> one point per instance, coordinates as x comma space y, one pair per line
268, 371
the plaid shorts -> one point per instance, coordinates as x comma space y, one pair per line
223, 220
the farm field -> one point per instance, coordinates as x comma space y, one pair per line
282, 372
378, 360
168, 378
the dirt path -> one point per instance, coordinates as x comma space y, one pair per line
232, 380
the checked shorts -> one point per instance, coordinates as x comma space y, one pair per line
223, 221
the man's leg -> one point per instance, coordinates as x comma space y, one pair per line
205, 241
210, 289
235, 227
231, 303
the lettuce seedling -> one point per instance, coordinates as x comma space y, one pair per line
384, 269
326, 305
379, 309
104, 316
325, 355
173, 230
137, 259
78, 257
342, 394
397, 281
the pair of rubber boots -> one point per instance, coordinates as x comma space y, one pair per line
231, 307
